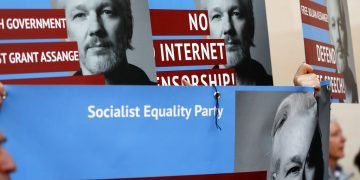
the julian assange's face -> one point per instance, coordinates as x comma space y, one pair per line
97, 26
337, 141
291, 143
337, 33
7, 164
227, 21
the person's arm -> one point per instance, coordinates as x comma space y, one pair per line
305, 76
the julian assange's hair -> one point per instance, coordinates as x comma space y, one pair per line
125, 12
343, 21
298, 101
249, 29
303, 101
343, 24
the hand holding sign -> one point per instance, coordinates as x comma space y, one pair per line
305, 76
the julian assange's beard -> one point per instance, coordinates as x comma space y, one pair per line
340, 62
234, 57
101, 63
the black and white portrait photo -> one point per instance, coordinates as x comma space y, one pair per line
113, 37
282, 133
340, 37
296, 140
242, 24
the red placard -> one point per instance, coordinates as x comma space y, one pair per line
337, 83
179, 22
32, 23
39, 57
70, 80
261, 175
211, 77
189, 52
320, 54
314, 14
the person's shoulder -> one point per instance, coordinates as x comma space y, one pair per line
136, 76
252, 69
254, 64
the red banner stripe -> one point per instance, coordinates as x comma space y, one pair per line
337, 83
70, 80
179, 22
216, 77
320, 54
189, 52
39, 57
261, 175
32, 23
314, 14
